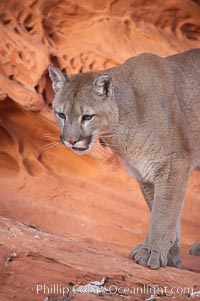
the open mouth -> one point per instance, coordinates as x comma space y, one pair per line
80, 149
83, 150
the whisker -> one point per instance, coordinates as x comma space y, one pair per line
100, 148
103, 133
108, 145
49, 136
111, 145
108, 136
50, 145
51, 139
47, 148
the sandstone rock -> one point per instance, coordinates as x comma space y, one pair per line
30, 268
89, 211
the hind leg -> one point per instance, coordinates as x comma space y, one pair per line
195, 249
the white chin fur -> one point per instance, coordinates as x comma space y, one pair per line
80, 153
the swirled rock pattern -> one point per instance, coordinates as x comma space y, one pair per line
90, 199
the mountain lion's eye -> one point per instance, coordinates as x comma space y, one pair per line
87, 117
61, 115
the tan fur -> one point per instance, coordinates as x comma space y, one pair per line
148, 112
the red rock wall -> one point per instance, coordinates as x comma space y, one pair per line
76, 36
79, 36
84, 197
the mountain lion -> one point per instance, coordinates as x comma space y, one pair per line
148, 112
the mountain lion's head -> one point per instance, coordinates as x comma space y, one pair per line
84, 107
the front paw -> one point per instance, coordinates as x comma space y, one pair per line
147, 256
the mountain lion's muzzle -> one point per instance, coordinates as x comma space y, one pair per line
80, 146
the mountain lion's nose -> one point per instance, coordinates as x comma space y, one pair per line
72, 142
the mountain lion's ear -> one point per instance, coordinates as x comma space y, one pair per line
103, 85
57, 77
